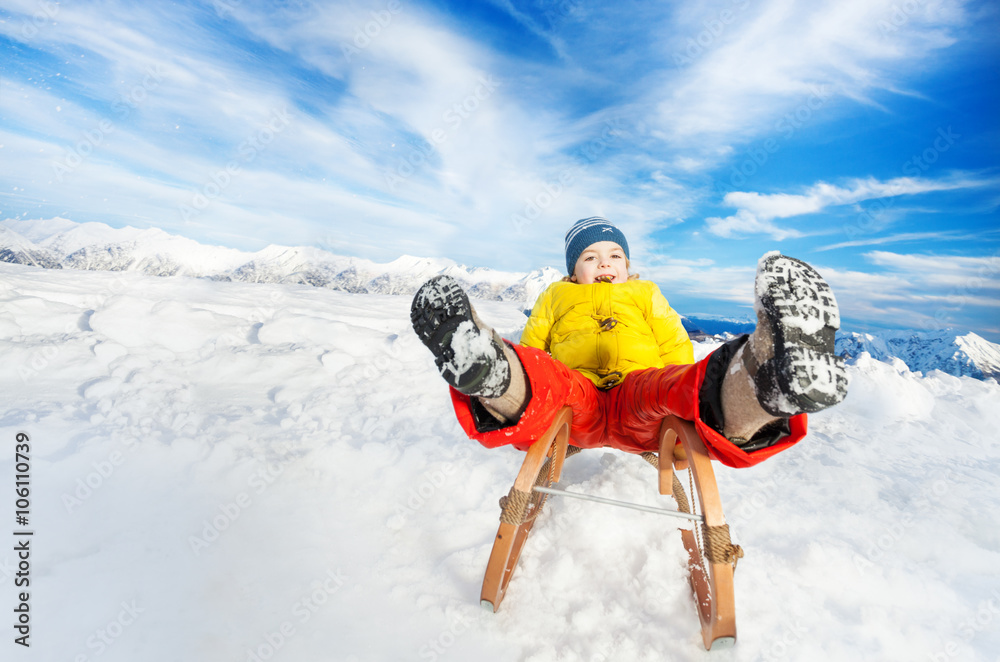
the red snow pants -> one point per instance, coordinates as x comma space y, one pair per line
626, 417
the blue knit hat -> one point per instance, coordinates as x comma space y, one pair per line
589, 231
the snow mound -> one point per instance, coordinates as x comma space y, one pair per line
888, 393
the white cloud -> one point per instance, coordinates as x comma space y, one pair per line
701, 279
895, 238
936, 271
822, 195
745, 222
756, 211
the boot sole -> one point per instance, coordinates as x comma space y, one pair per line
441, 315
804, 375
435, 304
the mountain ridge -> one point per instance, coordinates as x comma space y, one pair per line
969, 355
60, 244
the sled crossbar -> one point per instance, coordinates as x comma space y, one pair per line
558, 491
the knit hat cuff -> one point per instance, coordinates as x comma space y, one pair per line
589, 231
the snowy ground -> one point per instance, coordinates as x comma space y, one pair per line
233, 472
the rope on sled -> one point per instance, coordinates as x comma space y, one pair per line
678, 489
719, 547
515, 504
680, 497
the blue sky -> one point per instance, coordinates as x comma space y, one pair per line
859, 135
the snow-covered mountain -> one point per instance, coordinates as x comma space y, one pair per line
718, 325
62, 244
59, 243
969, 355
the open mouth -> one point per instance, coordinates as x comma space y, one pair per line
604, 278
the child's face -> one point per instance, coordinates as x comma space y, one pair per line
601, 262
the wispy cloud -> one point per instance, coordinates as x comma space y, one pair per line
897, 238
937, 271
756, 211
738, 79
745, 222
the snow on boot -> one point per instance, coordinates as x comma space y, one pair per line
791, 352
469, 358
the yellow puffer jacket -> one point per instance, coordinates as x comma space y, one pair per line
607, 330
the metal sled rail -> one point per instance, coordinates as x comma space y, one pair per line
558, 491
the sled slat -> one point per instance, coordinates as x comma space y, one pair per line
668, 441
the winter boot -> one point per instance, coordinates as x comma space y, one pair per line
788, 365
470, 358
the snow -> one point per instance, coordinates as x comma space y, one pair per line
237, 471
471, 346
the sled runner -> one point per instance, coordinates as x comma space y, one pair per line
712, 556
542, 466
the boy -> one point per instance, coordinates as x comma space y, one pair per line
609, 346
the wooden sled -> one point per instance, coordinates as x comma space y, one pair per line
712, 556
